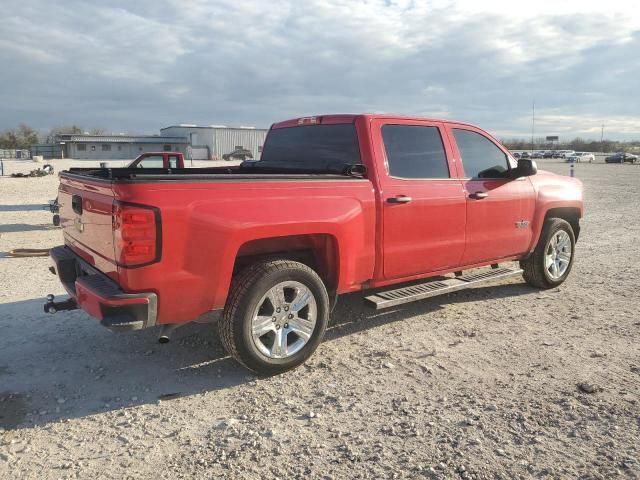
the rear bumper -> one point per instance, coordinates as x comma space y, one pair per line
101, 297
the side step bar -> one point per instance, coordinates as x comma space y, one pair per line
432, 288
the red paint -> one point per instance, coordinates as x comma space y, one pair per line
91, 301
356, 237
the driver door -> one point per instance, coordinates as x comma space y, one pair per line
499, 209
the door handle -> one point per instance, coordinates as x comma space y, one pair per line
399, 199
478, 195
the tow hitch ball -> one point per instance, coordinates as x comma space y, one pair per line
53, 307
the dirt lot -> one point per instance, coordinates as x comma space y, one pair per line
479, 384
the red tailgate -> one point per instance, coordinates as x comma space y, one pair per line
86, 209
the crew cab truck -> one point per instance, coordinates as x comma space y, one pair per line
336, 204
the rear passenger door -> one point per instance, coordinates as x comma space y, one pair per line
423, 204
499, 208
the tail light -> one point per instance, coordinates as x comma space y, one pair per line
136, 234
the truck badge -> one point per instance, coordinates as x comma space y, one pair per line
522, 224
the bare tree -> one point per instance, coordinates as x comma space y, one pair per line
21, 137
63, 130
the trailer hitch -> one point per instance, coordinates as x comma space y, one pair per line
52, 307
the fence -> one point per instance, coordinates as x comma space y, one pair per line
47, 150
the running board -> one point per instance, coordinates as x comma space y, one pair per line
432, 288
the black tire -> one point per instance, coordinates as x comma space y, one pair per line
248, 288
534, 271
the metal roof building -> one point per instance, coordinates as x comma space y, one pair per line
214, 141
114, 147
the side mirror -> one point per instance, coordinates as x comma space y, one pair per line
526, 167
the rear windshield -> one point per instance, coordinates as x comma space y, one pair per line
312, 145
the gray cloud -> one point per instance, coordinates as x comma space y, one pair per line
138, 66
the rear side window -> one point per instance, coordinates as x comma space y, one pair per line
414, 151
312, 145
154, 161
481, 158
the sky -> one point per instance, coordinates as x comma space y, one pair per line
138, 66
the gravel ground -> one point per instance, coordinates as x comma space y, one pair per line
501, 381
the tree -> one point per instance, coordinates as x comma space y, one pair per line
64, 130
18, 138
27, 135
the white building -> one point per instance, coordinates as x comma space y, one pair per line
214, 141
113, 147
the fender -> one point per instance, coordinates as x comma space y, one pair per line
554, 192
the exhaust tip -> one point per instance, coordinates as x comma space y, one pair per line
166, 332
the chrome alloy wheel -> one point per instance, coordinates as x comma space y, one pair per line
284, 320
558, 254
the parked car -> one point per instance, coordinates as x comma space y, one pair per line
525, 155
581, 157
336, 204
537, 155
548, 154
621, 157
239, 153
587, 157
517, 154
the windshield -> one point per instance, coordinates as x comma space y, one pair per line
312, 146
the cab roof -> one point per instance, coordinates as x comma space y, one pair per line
332, 118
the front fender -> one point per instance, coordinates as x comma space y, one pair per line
556, 193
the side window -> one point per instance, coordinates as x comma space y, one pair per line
414, 151
481, 158
173, 161
154, 161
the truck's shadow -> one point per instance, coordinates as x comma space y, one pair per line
66, 366
24, 227
26, 207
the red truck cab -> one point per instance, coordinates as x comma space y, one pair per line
336, 204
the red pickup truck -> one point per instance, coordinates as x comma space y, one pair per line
336, 204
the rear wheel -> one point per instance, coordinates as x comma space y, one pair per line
275, 317
551, 261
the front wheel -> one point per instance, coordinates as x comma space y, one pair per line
275, 317
551, 261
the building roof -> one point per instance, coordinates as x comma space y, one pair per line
81, 138
215, 127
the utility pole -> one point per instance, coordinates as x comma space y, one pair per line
602, 139
533, 123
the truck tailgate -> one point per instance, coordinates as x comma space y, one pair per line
86, 217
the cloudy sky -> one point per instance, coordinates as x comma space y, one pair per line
136, 66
